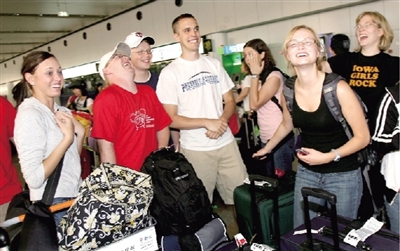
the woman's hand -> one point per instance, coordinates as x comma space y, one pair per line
255, 63
261, 153
314, 157
65, 122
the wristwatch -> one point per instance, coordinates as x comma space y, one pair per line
337, 158
255, 76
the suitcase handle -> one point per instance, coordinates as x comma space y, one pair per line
319, 193
270, 181
331, 198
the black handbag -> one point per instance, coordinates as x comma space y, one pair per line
38, 231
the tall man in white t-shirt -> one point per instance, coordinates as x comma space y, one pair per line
193, 89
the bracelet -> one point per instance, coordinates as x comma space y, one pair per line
337, 157
255, 75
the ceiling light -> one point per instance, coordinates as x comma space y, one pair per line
62, 14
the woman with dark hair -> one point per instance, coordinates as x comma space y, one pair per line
46, 132
265, 98
99, 88
81, 102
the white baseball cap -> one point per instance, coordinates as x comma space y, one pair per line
121, 48
135, 38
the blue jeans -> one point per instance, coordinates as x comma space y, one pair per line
283, 156
347, 186
58, 215
393, 213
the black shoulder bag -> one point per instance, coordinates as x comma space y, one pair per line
38, 231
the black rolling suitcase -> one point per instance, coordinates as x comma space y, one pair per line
264, 214
331, 232
249, 144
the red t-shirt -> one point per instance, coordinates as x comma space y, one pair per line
130, 121
9, 182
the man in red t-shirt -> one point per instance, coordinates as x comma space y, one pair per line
129, 120
9, 182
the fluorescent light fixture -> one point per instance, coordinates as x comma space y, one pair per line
62, 14
81, 70
171, 51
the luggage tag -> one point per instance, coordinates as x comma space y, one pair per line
370, 227
261, 247
240, 240
352, 238
303, 231
258, 183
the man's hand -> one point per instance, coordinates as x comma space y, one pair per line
213, 135
218, 126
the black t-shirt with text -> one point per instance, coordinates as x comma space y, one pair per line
368, 76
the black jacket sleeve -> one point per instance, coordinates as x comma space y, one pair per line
387, 131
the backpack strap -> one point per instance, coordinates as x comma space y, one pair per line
330, 95
264, 75
276, 101
288, 92
329, 90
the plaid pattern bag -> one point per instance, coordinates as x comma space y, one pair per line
113, 202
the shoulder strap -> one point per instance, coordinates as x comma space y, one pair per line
276, 101
264, 75
288, 92
52, 183
332, 101
329, 91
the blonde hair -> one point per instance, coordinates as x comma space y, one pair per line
387, 38
289, 37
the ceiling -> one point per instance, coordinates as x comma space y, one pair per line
26, 24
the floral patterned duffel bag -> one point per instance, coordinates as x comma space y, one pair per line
112, 203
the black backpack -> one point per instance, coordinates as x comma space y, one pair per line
180, 204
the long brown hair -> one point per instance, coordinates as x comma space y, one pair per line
23, 89
260, 46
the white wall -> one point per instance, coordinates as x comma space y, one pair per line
335, 21
219, 19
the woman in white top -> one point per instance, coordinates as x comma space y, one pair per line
44, 131
81, 102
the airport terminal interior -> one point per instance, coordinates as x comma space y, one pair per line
80, 32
